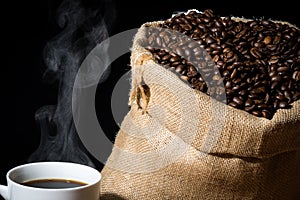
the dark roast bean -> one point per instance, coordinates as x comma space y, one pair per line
255, 52
276, 78
209, 40
233, 104
283, 69
166, 57
257, 113
248, 103
250, 108
185, 78
262, 106
276, 40
174, 59
273, 59
174, 64
266, 114
288, 96
259, 90
296, 75
238, 101
265, 22
274, 85
179, 68
267, 39
283, 104
296, 96
157, 57
233, 74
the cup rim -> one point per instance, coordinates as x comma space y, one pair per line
9, 179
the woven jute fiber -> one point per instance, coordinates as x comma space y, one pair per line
179, 143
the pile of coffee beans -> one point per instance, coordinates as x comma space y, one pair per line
252, 65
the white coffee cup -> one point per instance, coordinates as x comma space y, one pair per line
15, 190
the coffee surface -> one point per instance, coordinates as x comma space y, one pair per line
53, 183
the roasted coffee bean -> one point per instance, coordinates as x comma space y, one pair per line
266, 114
288, 96
262, 106
296, 96
238, 100
185, 78
208, 13
255, 52
267, 39
174, 59
257, 61
274, 59
296, 75
179, 68
283, 104
276, 78
283, 69
248, 103
249, 108
166, 57
233, 74
257, 113
233, 104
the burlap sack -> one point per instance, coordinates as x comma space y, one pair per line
178, 143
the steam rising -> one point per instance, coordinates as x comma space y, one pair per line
83, 28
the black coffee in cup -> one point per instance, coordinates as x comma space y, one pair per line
53, 183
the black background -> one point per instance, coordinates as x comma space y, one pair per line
31, 24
